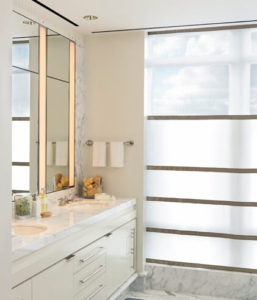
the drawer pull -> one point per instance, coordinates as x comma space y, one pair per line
95, 292
83, 260
70, 257
82, 281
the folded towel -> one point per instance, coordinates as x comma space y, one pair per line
50, 154
99, 154
61, 153
117, 154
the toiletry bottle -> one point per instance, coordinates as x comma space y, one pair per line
36, 206
43, 200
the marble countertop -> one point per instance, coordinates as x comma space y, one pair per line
65, 221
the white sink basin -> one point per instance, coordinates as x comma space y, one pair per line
28, 229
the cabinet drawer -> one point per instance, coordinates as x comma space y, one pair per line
96, 290
87, 255
89, 274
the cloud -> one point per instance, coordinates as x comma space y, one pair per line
191, 44
168, 46
192, 89
211, 43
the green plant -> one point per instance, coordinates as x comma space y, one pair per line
22, 207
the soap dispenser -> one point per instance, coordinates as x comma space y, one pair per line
36, 206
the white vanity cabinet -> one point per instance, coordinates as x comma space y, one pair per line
120, 256
90, 265
89, 271
54, 283
22, 291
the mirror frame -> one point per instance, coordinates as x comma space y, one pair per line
43, 111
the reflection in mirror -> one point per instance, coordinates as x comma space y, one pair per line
57, 56
25, 37
24, 105
57, 134
57, 112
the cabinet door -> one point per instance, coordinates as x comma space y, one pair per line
120, 256
55, 283
22, 291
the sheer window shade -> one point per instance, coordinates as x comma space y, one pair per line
204, 75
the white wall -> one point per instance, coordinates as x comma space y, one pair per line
114, 110
5, 149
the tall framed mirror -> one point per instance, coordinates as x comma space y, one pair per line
25, 89
43, 89
57, 100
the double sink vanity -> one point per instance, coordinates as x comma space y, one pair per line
85, 251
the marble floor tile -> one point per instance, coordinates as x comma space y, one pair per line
162, 295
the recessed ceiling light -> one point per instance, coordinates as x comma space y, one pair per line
27, 22
90, 17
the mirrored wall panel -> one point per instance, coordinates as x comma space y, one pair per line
25, 105
57, 134
25, 37
58, 56
43, 99
58, 63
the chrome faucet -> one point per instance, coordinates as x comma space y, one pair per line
66, 199
63, 201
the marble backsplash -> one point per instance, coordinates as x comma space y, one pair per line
80, 128
225, 284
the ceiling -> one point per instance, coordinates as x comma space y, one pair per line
133, 14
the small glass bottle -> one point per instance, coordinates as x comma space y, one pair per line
43, 200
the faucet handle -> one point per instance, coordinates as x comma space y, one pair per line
61, 201
70, 195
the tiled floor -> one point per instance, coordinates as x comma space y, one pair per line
162, 295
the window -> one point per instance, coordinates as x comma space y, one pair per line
201, 142
203, 73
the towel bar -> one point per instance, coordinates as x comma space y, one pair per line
129, 143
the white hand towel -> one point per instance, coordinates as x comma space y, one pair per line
99, 154
50, 154
61, 153
117, 154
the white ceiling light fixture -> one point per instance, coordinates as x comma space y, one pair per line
90, 17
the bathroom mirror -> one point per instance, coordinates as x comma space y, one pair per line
57, 170
43, 99
25, 39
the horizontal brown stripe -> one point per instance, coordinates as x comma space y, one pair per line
201, 233
204, 117
21, 42
19, 191
20, 164
21, 118
201, 169
201, 266
202, 201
